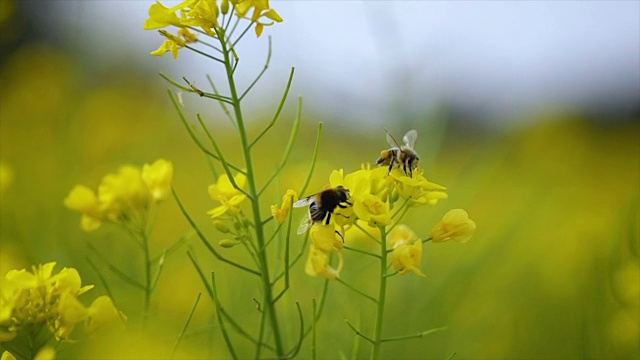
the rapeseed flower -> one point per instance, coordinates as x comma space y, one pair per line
281, 213
455, 225
230, 197
168, 45
161, 16
318, 264
205, 14
158, 177
325, 238
30, 301
124, 195
407, 250
417, 188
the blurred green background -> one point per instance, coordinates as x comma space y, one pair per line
553, 270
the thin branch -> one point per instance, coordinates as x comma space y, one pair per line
296, 350
186, 325
225, 335
203, 276
223, 161
361, 251
193, 135
288, 148
358, 332
413, 336
286, 255
357, 291
206, 242
264, 69
313, 160
204, 54
115, 269
366, 232
156, 276
285, 94
222, 104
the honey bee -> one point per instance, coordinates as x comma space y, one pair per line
322, 205
403, 155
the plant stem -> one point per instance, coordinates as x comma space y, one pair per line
269, 305
147, 277
382, 292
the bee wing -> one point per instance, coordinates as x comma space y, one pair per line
410, 138
305, 225
305, 201
391, 140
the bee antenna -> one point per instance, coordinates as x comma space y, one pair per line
392, 138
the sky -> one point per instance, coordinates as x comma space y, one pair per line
365, 60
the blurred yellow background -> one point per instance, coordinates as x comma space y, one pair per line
553, 270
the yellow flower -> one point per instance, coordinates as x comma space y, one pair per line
401, 235
417, 188
359, 186
84, 200
161, 16
36, 299
373, 210
407, 257
168, 46
158, 177
123, 192
203, 13
455, 225
187, 36
324, 237
70, 311
318, 264
280, 214
101, 313
407, 250
230, 197
261, 9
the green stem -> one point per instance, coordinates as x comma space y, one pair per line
382, 292
147, 276
269, 305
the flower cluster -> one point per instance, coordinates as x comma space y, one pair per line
228, 216
208, 16
378, 199
122, 197
30, 301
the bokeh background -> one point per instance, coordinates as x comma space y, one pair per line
528, 112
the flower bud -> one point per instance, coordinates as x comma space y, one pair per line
221, 226
228, 243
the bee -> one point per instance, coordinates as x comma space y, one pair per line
322, 205
403, 155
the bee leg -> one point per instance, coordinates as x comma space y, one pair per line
341, 237
328, 218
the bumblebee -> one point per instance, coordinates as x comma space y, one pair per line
322, 205
403, 155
